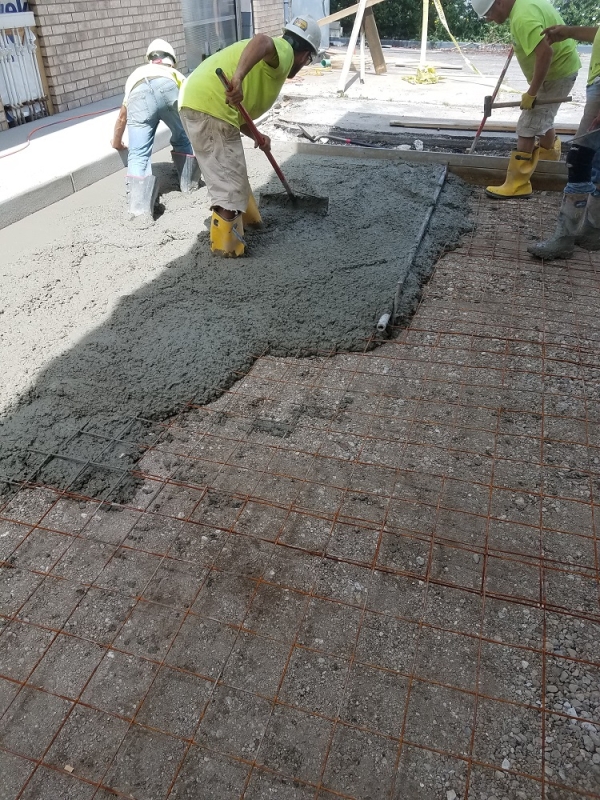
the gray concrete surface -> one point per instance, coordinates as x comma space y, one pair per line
102, 289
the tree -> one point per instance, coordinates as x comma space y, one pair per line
401, 19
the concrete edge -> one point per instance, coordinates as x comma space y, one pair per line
476, 169
22, 205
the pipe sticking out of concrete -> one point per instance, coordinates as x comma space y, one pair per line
384, 321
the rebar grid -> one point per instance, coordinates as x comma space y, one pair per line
328, 581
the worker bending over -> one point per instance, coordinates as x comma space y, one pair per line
151, 95
579, 216
257, 69
550, 69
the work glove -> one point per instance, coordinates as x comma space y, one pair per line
527, 101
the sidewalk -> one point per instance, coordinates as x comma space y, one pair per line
67, 152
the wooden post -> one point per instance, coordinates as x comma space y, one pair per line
374, 42
424, 24
352, 45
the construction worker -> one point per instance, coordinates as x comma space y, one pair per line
579, 216
551, 71
151, 94
257, 69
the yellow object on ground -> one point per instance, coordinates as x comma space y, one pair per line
517, 183
424, 75
251, 215
227, 235
552, 154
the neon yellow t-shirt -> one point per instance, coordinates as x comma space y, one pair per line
595, 59
528, 19
203, 91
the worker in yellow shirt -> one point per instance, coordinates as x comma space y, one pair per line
551, 71
151, 94
579, 216
257, 69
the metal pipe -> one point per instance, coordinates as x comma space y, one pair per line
420, 236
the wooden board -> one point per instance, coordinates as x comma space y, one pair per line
345, 12
470, 125
374, 42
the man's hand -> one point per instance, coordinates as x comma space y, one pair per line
117, 144
235, 94
527, 101
266, 145
595, 123
556, 33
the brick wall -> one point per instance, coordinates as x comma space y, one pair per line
267, 16
89, 48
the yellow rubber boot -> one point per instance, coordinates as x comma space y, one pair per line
251, 215
227, 235
552, 154
517, 183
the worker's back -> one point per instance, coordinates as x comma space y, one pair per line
203, 91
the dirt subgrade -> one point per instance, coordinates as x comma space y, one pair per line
104, 322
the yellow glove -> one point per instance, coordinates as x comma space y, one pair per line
527, 101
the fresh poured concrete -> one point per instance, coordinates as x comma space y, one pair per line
105, 321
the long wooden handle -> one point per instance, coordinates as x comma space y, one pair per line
484, 119
517, 103
256, 134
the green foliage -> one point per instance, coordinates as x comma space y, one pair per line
401, 19
579, 12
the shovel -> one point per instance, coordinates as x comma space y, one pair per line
307, 202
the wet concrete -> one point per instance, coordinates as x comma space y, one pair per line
107, 322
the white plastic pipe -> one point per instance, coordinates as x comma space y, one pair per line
384, 321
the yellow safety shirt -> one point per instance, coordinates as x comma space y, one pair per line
528, 19
203, 91
595, 59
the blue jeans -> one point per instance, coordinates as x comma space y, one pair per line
150, 102
591, 110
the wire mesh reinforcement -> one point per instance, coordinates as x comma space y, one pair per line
356, 575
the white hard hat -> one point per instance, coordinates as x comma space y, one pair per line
306, 28
481, 7
159, 48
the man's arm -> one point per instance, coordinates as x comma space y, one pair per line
558, 33
120, 125
543, 59
260, 48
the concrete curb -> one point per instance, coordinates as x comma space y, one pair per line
20, 206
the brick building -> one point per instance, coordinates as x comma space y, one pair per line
89, 47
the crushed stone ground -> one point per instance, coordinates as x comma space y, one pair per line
113, 321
